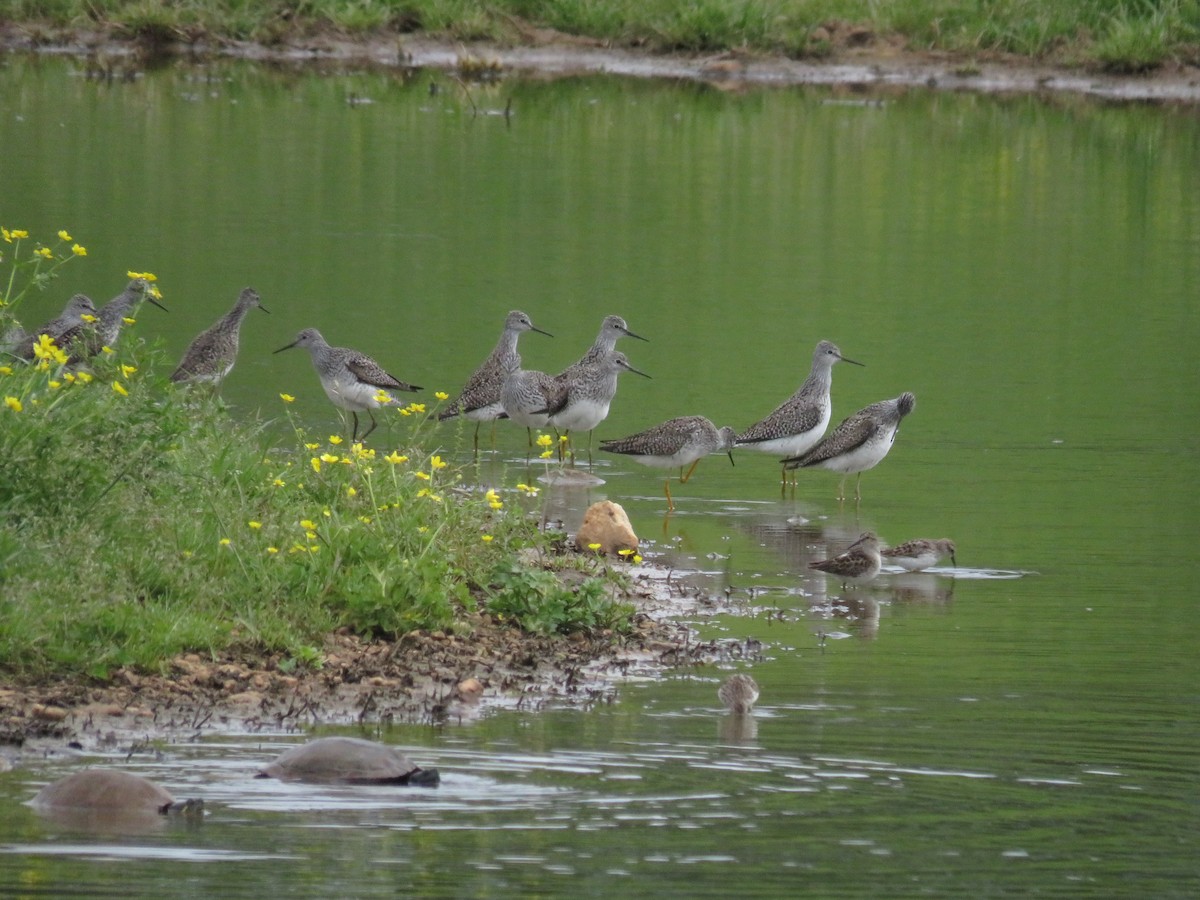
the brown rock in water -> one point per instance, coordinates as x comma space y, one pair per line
606, 524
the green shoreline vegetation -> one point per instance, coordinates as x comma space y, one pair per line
1125, 36
139, 521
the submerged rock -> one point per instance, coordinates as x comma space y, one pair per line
349, 761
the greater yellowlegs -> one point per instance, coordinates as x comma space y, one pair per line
210, 357
859, 443
859, 562
62, 330
479, 400
677, 442
798, 423
586, 397
738, 693
913, 556
352, 380
611, 330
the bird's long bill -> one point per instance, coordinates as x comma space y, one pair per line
156, 303
263, 308
627, 367
629, 333
853, 362
731, 462
288, 347
540, 331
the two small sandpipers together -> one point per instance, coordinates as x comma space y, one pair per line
862, 560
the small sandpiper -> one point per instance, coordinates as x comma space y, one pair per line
585, 398
913, 556
611, 330
352, 380
90, 339
211, 355
859, 443
62, 330
479, 400
738, 693
798, 423
859, 562
682, 441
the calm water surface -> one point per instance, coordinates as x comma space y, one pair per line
1030, 270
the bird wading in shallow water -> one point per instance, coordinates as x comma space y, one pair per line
583, 401
859, 443
679, 442
913, 556
860, 562
800, 421
738, 693
479, 400
352, 380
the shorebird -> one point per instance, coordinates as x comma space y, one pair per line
859, 562
584, 399
738, 693
527, 397
479, 400
611, 329
798, 423
62, 330
91, 339
352, 380
859, 443
677, 442
210, 357
913, 556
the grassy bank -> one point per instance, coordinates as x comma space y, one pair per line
1118, 35
139, 521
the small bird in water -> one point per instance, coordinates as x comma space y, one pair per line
913, 556
682, 441
738, 693
859, 443
479, 400
61, 329
352, 380
211, 355
859, 562
90, 339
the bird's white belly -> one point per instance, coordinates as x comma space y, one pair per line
861, 458
582, 415
351, 394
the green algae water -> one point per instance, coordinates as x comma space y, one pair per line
1030, 269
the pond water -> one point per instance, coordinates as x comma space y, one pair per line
1027, 722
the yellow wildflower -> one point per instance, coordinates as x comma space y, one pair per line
417, 407
13, 403
487, 538
316, 464
335, 439
79, 250
329, 457
546, 454
149, 276
438, 463
366, 520
109, 351
279, 482
6, 370
544, 440
128, 370
84, 377
424, 476
395, 458
224, 542
287, 398
120, 389
129, 320
55, 385
593, 547
20, 233
441, 395
636, 558
89, 318
383, 397
63, 235
43, 252
351, 491
308, 524
255, 525
311, 446
46, 349
272, 550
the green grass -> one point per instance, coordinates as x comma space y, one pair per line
138, 521
1121, 35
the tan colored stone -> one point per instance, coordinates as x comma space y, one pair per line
48, 713
470, 688
605, 523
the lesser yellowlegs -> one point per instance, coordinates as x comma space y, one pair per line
210, 357
738, 693
677, 442
64, 326
479, 400
859, 443
798, 423
586, 396
913, 556
611, 330
859, 562
352, 380
527, 397
89, 339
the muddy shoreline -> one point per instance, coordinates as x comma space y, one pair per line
860, 61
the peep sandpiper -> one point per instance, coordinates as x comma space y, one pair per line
913, 556
859, 562
738, 693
